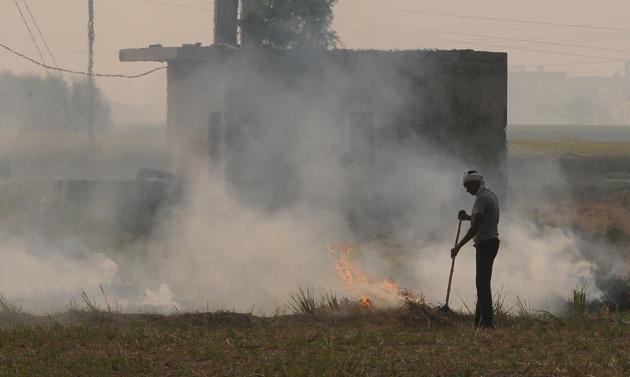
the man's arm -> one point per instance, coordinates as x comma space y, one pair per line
474, 229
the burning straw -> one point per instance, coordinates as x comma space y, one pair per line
369, 290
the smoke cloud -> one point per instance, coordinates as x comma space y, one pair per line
252, 230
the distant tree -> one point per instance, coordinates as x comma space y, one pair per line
47, 103
29, 102
290, 24
80, 102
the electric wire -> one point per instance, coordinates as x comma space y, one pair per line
41, 35
540, 51
30, 32
561, 44
593, 26
70, 71
77, 108
512, 20
51, 80
540, 42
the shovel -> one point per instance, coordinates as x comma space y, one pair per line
445, 308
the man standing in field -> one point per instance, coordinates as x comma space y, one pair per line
484, 229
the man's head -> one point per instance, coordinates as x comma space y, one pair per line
473, 181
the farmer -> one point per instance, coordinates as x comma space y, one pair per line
484, 230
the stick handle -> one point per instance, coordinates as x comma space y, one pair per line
450, 277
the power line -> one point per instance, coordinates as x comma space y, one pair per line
52, 82
539, 42
483, 36
498, 19
600, 59
540, 51
41, 35
43, 38
30, 32
105, 75
532, 28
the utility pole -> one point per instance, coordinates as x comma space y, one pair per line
91, 84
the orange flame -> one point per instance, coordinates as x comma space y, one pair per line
390, 287
357, 282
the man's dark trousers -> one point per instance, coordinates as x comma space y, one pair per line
486, 252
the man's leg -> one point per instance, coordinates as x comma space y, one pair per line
486, 252
480, 281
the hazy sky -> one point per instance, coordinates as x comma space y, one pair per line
594, 45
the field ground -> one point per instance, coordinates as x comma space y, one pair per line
556, 148
403, 342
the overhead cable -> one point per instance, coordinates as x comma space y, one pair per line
41, 35
498, 19
540, 51
539, 42
30, 32
52, 82
105, 75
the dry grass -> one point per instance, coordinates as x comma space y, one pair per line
373, 343
608, 220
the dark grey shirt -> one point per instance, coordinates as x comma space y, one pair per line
487, 206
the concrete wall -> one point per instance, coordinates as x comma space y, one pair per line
196, 88
272, 101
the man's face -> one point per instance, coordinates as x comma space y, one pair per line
472, 187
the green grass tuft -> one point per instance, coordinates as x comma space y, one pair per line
303, 302
578, 301
7, 307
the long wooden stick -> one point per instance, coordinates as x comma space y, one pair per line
450, 277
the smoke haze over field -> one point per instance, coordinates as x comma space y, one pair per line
214, 252
223, 247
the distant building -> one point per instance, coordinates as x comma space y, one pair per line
544, 97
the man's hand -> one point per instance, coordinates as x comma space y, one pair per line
462, 215
454, 252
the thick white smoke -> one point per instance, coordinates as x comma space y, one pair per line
538, 266
43, 277
252, 235
213, 252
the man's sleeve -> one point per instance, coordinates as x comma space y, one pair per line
481, 205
